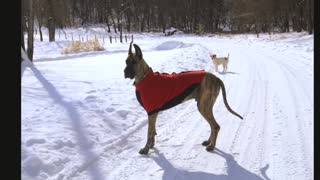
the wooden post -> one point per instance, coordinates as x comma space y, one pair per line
131, 37
110, 39
65, 35
125, 37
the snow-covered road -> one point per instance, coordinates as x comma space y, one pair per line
81, 120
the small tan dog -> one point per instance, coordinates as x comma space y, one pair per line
221, 60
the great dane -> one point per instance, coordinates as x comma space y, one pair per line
202, 86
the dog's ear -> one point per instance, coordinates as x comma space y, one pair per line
138, 51
130, 52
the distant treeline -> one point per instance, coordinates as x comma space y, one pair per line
190, 16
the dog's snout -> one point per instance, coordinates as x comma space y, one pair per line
125, 71
129, 73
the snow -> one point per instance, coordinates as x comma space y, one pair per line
81, 120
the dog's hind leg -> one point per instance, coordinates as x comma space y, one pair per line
204, 114
151, 133
207, 96
208, 115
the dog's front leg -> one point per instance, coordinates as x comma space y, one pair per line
151, 133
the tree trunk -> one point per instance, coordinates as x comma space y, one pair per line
51, 22
118, 23
162, 23
143, 19
257, 29
128, 22
216, 25
108, 25
309, 12
286, 24
148, 21
30, 31
107, 22
40, 25
120, 29
41, 38
22, 32
114, 24
300, 18
51, 28
142, 24
23, 24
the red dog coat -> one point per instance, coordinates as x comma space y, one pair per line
160, 91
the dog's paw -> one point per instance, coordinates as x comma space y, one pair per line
144, 151
209, 148
205, 143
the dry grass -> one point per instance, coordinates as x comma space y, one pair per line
78, 46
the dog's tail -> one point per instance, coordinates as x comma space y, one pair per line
225, 99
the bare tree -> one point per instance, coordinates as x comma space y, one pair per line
57, 16
51, 21
40, 12
23, 24
310, 19
30, 30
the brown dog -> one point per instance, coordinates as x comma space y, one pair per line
205, 93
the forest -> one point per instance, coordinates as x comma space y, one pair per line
189, 16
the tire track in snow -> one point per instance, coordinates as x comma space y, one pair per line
276, 120
285, 127
259, 124
243, 124
163, 141
180, 154
284, 117
251, 126
296, 91
73, 171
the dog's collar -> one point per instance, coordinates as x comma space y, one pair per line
150, 71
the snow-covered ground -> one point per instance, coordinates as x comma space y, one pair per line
81, 120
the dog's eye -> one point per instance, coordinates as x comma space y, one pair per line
129, 62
